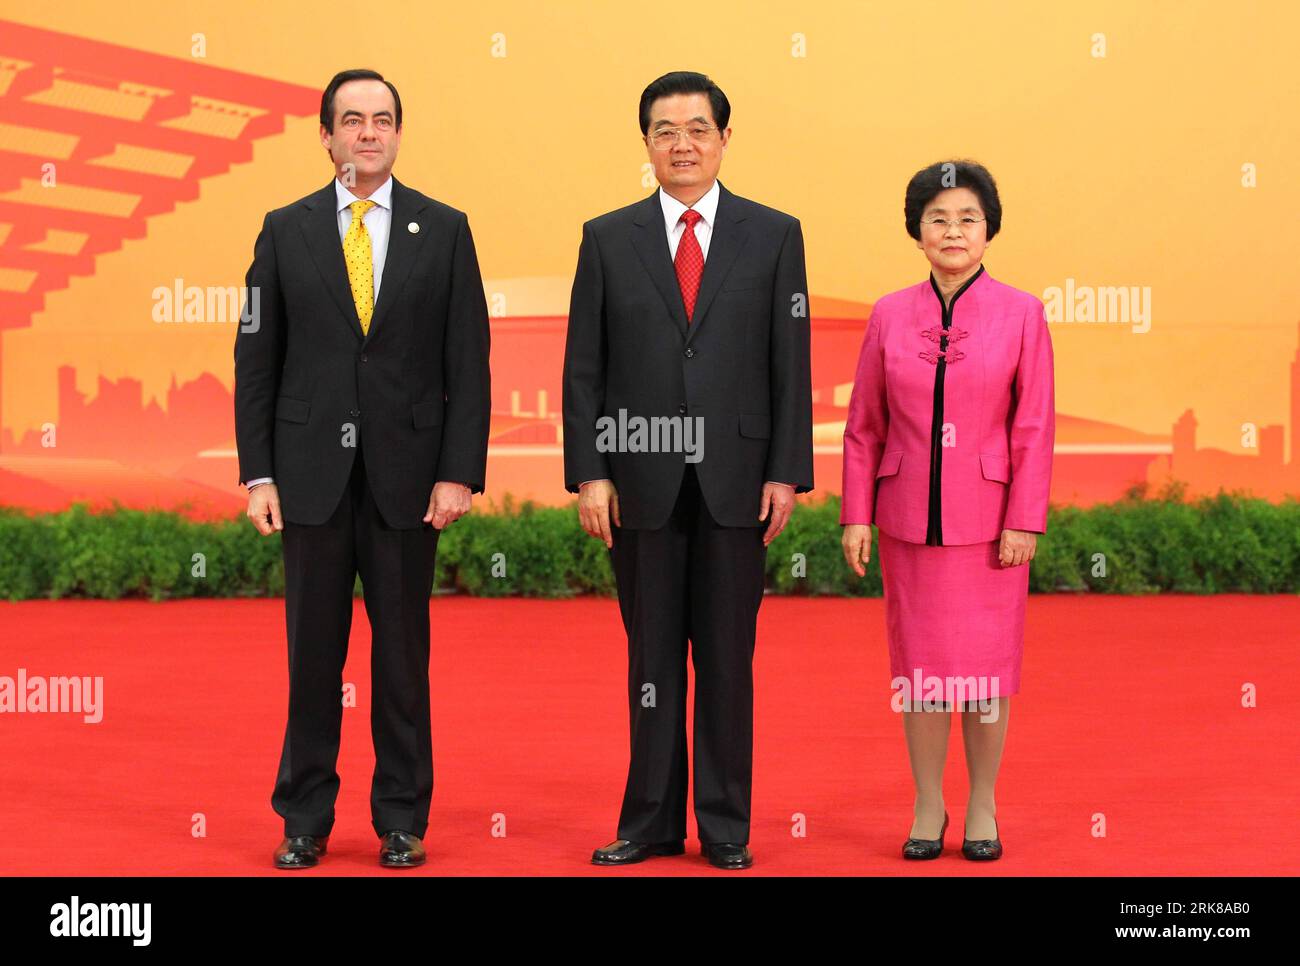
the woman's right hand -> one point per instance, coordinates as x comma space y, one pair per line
857, 547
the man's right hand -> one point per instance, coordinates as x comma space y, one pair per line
264, 508
597, 501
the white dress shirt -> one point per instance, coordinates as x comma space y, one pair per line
378, 220
707, 206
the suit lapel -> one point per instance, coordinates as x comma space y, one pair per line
650, 240
728, 238
321, 230
402, 246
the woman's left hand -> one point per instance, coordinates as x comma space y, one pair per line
1017, 547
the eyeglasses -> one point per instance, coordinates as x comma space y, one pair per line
666, 138
965, 223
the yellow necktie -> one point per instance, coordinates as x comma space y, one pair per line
360, 262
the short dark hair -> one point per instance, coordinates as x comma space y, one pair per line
685, 82
341, 78
942, 175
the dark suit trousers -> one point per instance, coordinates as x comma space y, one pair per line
690, 580
320, 568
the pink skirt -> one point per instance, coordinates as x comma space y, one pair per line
955, 618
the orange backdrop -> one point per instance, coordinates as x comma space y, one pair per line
1146, 146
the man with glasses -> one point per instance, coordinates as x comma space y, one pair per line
689, 311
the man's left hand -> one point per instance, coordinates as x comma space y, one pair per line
778, 498
447, 502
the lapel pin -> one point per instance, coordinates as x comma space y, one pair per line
413, 228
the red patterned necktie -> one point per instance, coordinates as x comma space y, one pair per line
689, 262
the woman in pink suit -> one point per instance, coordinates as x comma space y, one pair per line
948, 451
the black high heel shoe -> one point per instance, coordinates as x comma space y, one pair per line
982, 850
926, 848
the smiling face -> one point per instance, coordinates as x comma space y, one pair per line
955, 249
365, 133
689, 167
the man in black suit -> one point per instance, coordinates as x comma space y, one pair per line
362, 397
690, 314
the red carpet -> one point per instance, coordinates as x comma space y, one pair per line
1130, 709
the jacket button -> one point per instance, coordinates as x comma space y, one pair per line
690, 353
682, 409
363, 357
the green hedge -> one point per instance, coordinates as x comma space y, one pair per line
1138, 545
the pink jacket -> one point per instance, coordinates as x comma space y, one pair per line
991, 450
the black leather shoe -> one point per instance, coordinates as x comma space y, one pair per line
727, 855
926, 848
623, 852
982, 850
300, 851
401, 850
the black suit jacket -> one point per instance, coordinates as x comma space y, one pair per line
416, 388
743, 364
